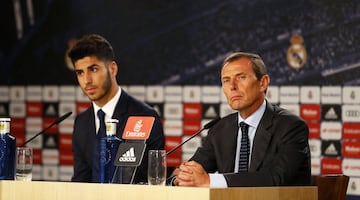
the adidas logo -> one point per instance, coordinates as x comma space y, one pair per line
331, 150
211, 112
128, 156
331, 114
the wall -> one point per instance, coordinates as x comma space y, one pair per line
332, 114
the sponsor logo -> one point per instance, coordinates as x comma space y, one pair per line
331, 148
331, 95
138, 127
331, 130
210, 110
310, 112
351, 113
173, 111
330, 166
314, 130
128, 156
191, 126
351, 149
192, 111
331, 112
192, 93
351, 131
351, 167
34, 109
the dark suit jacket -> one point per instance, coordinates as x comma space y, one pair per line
280, 154
84, 136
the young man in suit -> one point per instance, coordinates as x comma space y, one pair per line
275, 142
95, 68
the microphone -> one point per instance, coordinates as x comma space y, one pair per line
169, 180
206, 126
57, 121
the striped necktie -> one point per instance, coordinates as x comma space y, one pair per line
102, 127
96, 158
244, 148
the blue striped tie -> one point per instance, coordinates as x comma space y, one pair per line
96, 159
244, 148
102, 128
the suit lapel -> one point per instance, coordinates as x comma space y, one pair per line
262, 138
90, 128
120, 112
229, 145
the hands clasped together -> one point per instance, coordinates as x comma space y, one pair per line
192, 174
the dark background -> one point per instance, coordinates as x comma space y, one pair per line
183, 42
159, 42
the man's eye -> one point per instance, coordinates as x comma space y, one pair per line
225, 81
242, 77
94, 69
79, 73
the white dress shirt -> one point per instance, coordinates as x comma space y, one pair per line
108, 109
218, 180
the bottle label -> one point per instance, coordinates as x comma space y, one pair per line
4, 127
111, 127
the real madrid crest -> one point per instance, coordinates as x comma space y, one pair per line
296, 54
68, 62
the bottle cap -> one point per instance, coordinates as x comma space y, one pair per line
5, 119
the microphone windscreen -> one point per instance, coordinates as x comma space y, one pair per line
211, 123
60, 119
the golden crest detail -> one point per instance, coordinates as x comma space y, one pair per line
296, 54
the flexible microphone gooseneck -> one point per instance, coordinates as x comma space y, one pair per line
169, 180
57, 121
206, 126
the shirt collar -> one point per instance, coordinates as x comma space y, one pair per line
109, 107
254, 119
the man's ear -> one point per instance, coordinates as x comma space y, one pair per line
264, 82
113, 68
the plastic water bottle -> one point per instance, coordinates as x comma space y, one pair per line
7, 151
108, 148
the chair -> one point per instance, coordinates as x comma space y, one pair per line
331, 187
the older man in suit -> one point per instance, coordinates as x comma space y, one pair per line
259, 145
96, 70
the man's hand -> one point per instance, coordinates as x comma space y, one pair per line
191, 174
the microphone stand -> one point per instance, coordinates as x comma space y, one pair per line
57, 121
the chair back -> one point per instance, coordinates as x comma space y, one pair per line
331, 187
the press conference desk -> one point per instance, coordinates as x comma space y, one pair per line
39, 190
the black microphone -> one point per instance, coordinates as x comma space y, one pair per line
206, 126
169, 180
57, 121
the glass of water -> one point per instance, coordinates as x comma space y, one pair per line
24, 163
157, 167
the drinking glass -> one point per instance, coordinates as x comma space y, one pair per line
157, 167
24, 163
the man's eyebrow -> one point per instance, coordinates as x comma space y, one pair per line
91, 66
88, 67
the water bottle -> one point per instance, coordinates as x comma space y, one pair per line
108, 148
7, 151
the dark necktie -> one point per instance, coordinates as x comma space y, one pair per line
102, 127
244, 148
100, 134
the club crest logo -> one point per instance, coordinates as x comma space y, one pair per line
296, 55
